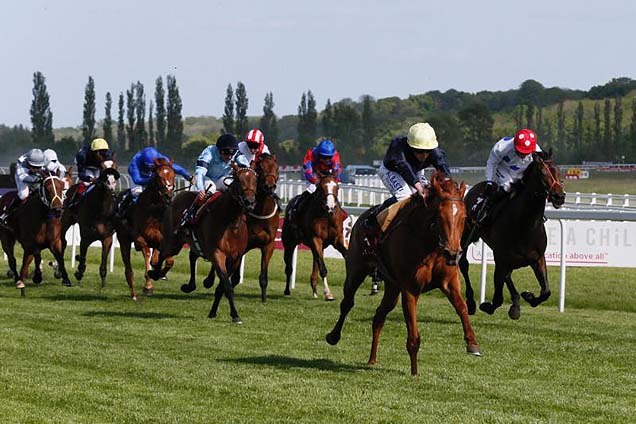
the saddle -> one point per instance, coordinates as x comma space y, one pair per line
200, 210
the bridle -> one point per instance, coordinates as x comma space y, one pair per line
237, 193
43, 192
441, 237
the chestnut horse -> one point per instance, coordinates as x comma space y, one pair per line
95, 215
262, 222
142, 223
219, 236
417, 254
36, 225
319, 226
516, 234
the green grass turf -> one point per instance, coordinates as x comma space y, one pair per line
91, 355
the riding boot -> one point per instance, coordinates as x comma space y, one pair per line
10, 209
188, 216
485, 214
123, 205
299, 206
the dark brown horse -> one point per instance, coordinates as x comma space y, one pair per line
95, 215
142, 224
318, 226
36, 225
516, 234
417, 254
219, 236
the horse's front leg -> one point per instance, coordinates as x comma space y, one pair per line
409, 309
470, 293
37, 272
266, 255
191, 285
27, 258
319, 266
57, 248
124, 247
497, 298
145, 250
106, 245
8, 246
81, 258
289, 246
515, 309
541, 272
225, 286
452, 290
389, 300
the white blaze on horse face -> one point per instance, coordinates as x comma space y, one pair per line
108, 164
331, 198
111, 182
455, 210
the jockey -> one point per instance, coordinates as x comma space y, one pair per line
53, 165
253, 146
90, 160
322, 159
28, 174
140, 171
508, 160
214, 165
402, 170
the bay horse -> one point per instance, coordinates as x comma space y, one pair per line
516, 234
36, 225
95, 215
319, 226
220, 235
417, 254
142, 223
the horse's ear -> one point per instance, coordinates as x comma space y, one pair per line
436, 185
171, 162
275, 157
253, 164
69, 171
235, 167
114, 157
156, 162
462, 188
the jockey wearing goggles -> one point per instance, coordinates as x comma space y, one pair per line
253, 146
214, 164
323, 159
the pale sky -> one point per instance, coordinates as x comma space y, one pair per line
337, 49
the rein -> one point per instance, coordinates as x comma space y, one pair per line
253, 215
43, 196
555, 181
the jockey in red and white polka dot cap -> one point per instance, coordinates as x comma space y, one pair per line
510, 157
253, 146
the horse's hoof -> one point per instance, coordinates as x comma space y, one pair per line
187, 288
133, 298
329, 297
19, 284
333, 338
487, 308
57, 274
531, 299
315, 295
287, 293
237, 320
37, 278
472, 308
473, 350
66, 283
79, 275
148, 291
212, 314
514, 312
208, 282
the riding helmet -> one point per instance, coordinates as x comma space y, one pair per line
422, 136
525, 141
99, 144
255, 136
227, 141
50, 155
36, 158
326, 148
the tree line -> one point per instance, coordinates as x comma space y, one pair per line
594, 125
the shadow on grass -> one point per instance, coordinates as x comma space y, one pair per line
128, 314
288, 362
77, 297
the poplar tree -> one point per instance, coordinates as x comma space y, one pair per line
151, 126
618, 126
561, 125
607, 129
598, 142
228, 112
174, 133
41, 115
368, 121
161, 113
327, 120
130, 128
121, 128
140, 109
307, 116
268, 123
578, 119
632, 127
241, 111
107, 126
88, 123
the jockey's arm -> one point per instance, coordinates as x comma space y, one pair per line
396, 161
308, 171
24, 175
336, 168
491, 165
181, 171
240, 159
135, 172
440, 162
